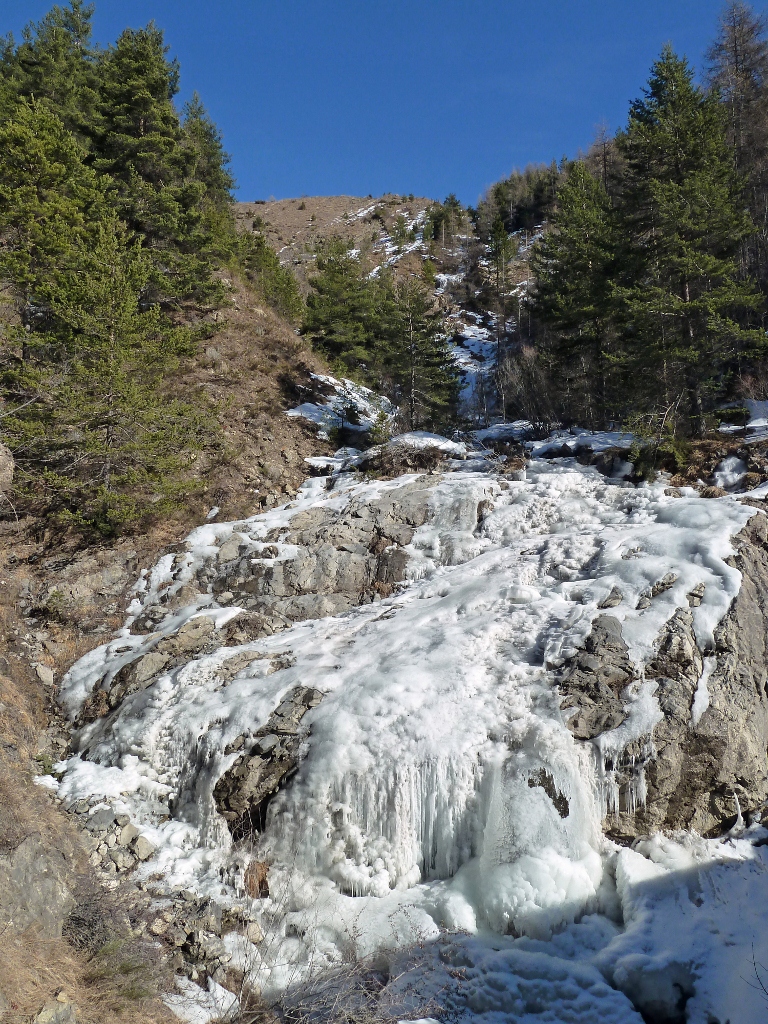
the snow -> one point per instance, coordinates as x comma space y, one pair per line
416, 808
701, 697
730, 472
475, 351
196, 1006
757, 425
349, 405
597, 440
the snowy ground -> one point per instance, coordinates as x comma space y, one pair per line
346, 404
756, 428
415, 816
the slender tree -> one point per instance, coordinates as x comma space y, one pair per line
738, 70
574, 268
345, 310
103, 439
417, 358
54, 64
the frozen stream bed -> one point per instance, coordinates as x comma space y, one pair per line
441, 799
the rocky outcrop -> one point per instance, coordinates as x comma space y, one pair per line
339, 559
698, 773
344, 558
36, 889
269, 758
7, 466
593, 682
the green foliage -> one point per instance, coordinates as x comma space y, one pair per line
381, 431
346, 310
444, 220
573, 267
48, 197
417, 359
523, 200
54, 63
113, 208
92, 430
642, 289
388, 333
503, 248
274, 282
401, 233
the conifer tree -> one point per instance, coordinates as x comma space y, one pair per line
345, 309
207, 162
417, 359
137, 130
138, 141
574, 266
102, 435
680, 208
49, 198
738, 70
54, 63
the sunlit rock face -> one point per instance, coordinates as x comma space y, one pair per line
419, 704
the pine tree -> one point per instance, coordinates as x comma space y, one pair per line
738, 70
574, 267
681, 210
417, 359
137, 131
138, 140
53, 64
102, 438
207, 162
345, 310
275, 283
48, 197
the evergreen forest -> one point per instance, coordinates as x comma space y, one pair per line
645, 263
647, 302
117, 235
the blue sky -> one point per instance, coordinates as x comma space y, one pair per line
322, 97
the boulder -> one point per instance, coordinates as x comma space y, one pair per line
591, 684
143, 848
36, 886
57, 1011
268, 759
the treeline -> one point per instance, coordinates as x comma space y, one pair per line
115, 221
388, 332
650, 283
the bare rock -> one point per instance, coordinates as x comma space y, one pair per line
143, 848
45, 674
591, 683
613, 600
57, 1011
695, 773
36, 884
243, 793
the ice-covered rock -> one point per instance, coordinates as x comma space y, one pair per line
444, 750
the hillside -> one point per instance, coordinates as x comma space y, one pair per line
384, 592
294, 227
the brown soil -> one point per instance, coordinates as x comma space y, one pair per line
295, 226
53, 609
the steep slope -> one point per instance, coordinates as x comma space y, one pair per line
371, 718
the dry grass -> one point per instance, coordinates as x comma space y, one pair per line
294, 226
114, 986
